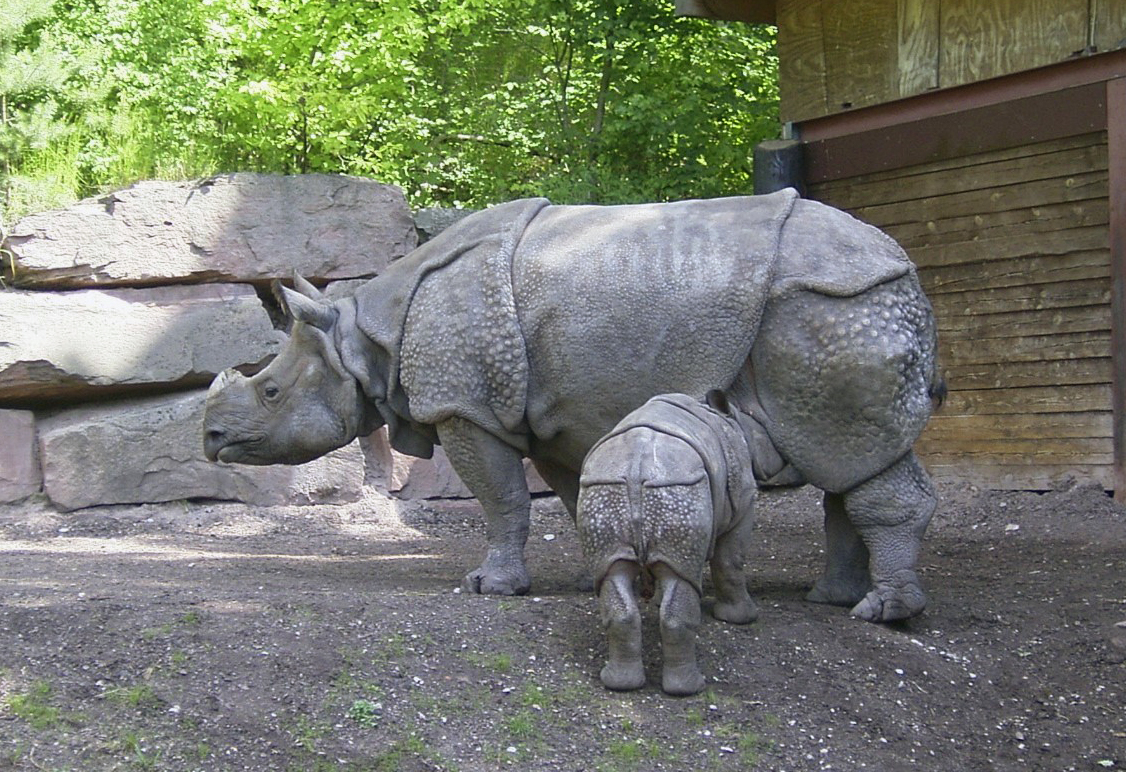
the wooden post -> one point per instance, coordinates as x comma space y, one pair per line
1116, 141
778, 164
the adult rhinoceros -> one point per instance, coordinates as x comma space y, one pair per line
530, 330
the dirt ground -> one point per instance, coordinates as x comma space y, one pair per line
206, 636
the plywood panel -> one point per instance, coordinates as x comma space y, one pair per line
801, 60
917, 59
987, 38
861, 52
1108, 25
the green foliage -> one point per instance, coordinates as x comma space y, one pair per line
34, 74
458, 101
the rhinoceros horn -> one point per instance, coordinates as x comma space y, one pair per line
223, 380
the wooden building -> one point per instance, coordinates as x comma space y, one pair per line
989, 138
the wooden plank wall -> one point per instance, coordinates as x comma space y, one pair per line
1013, 250
837, 55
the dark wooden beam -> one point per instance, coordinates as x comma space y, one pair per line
1082, 71
1040, 118
1116, 147
777, 165
751, 11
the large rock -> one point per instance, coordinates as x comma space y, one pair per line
238, 227
430, 222
91, 342
19, 461
151, 450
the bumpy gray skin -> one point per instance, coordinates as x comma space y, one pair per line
668, 491
530, 330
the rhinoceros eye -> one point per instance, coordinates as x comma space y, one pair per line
271, 392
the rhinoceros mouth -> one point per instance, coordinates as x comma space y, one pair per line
239, 451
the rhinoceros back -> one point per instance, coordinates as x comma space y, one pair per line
618, 303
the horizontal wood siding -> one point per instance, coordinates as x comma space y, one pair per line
1013, 250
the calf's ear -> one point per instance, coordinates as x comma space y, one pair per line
300, 308
717, 400
305, 287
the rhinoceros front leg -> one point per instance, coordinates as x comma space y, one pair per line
494, 473
732, 601
891, 511
564, 481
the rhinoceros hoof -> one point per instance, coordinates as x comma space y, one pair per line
838, 592
888, 602
737, 613
497, 581
623, 677
682, 680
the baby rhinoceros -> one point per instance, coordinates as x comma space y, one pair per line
669, 489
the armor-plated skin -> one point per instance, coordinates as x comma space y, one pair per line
669, 490
530, 330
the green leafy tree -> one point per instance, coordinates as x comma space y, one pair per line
457, 101
33, 78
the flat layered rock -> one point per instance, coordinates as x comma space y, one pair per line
151, 450
239, 227
89, 343
19, 462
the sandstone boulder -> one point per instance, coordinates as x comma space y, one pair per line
151, 450
87, 343
19, 461
432, 221
237, 227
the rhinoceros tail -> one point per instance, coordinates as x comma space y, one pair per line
937, 391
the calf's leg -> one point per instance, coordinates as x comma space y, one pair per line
732, 601
621, 617
680, 619
494, 473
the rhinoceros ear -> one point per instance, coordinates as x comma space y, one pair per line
300, 308
718, 401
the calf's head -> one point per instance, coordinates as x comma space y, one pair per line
301, 406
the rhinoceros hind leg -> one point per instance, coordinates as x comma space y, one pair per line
680, 619
846, 579
494, 473
891, 512
621, 617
